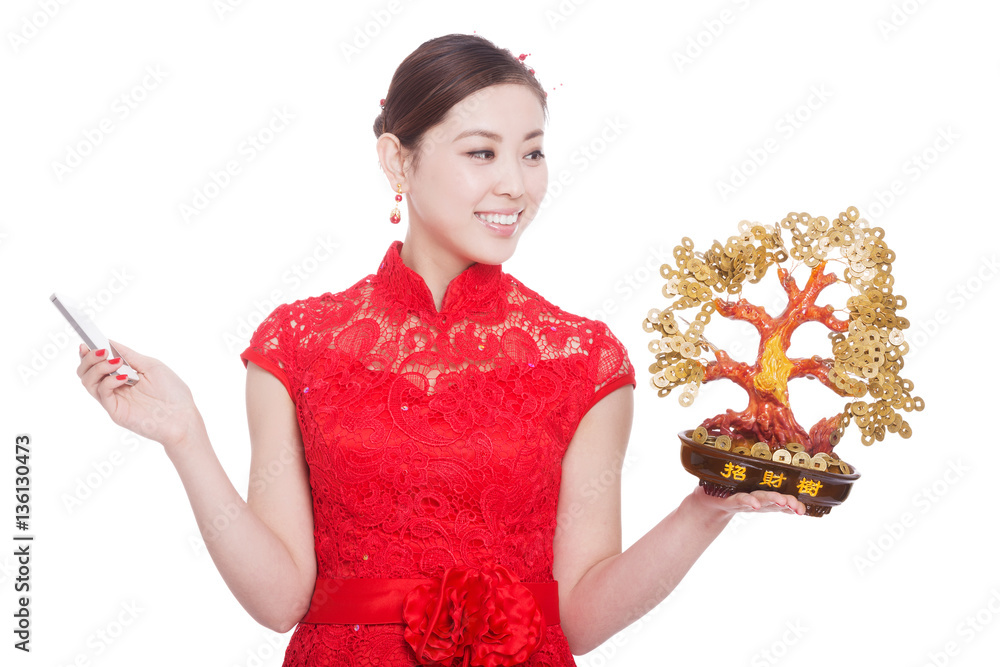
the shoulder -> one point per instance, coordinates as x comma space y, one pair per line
536, 306
601, 358
306, 317
561, 327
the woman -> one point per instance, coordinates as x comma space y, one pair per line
423, 442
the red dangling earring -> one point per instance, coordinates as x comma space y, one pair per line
394, 216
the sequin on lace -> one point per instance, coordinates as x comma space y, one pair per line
433, 438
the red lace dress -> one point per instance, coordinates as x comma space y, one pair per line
433, 439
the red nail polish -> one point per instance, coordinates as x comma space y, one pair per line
121, 377
100, 352
115, 360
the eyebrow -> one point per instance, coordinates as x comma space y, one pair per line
493, 135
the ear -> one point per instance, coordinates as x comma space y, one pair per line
393, 158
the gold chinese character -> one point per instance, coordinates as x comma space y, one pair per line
810, 486
772, 480
738, 473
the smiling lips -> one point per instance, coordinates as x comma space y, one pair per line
499, 218
504, 223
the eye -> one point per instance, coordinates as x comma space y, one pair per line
539, 155
483, 152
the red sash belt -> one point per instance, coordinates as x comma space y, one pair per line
356, 600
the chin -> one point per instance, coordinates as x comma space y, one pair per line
497, 256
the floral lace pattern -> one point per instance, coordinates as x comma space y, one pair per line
434, 439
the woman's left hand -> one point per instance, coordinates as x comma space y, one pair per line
755, 501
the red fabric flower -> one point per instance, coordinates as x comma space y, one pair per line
485, 616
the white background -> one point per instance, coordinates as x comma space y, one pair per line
670, 99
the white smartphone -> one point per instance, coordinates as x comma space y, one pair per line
92, 336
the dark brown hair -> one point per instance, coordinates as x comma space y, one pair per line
439, 74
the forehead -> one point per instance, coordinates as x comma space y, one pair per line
511, 106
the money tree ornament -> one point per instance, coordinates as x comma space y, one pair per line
764, 446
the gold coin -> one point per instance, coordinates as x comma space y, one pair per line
794, 447
741, 450
760, 450
802, 460
817, 463
782, 456
723, 442
699, 435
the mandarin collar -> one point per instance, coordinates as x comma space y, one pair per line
474, 290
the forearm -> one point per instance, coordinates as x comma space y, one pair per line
253, 561
620, 589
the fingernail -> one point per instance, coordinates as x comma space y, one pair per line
115, 360
100, 352
121, 377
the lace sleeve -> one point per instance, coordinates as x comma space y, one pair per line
273, 346
609, 367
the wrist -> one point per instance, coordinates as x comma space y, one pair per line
709, 510
190, 440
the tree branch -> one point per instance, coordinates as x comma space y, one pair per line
725, 367
788, 283
818, 368
824, 315
747, 312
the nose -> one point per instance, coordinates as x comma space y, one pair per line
510, 179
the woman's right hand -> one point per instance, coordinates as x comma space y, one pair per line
159, 407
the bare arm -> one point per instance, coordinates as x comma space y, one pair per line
601, 588
262, 547
264, 550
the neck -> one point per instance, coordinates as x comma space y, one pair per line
437, 269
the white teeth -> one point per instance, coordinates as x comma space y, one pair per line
497, 219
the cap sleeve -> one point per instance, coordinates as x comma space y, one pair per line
608, 365
274, 344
